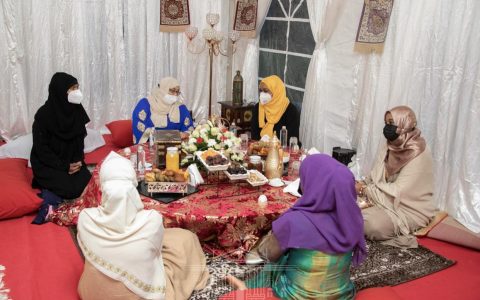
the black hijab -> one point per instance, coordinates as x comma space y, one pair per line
64, 119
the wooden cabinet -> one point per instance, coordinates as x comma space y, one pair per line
241, 115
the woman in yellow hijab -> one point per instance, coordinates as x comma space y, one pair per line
274, 110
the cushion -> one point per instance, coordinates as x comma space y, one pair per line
17, 148
93, 140
450, 230
122, 133
18, 198
99, 154
22, 146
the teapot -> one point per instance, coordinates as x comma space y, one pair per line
274, 163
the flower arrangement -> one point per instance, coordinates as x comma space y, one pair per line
211, 136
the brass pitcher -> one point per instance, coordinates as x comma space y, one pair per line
274, 163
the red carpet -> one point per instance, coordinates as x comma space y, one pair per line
41, 262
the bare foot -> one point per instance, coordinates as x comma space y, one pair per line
236, 283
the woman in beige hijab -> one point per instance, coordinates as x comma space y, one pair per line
400, 185
128, 253
162, 110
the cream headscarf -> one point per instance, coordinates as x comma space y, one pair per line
120, 238
160, 110
274, 109
409, 143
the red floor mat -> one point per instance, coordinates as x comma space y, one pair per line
41, 262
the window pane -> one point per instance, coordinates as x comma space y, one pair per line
300, 39
297, 68
271, 64
273, 35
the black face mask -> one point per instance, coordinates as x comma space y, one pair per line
390, 132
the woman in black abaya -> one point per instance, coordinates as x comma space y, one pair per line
57, 155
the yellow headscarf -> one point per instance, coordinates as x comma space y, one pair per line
274, 109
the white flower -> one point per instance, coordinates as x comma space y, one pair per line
192, 148
203, 131
211, 142
219, 136
195, 133
210, 123
229, 143
228, 151
217, 146
204, 137
192, 140
214, 131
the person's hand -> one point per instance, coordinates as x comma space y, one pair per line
359, 186
75, 167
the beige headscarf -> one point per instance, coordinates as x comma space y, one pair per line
160, 110
409, 143
120, 238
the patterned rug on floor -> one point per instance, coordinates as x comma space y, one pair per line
385, 266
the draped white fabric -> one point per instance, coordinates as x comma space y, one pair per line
431, 63
113, 47
324, 15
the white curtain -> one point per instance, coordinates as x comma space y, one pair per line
249, 63
430, 62
324, 15
113, 47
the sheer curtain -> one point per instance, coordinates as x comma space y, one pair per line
324, 15
114, 48
430, 62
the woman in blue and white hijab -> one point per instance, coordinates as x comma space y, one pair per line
162, 110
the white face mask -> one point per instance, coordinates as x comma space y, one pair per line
170, 99
265, 98
75, 97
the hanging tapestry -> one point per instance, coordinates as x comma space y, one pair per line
372, 30
246, 18
174, 15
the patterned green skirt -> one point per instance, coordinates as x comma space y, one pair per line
307, 274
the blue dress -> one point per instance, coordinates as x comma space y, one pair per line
141, 120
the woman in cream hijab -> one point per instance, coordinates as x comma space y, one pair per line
128, 253
162, 110
400, 185
274, 110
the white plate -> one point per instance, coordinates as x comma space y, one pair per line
276, 182
236, 176
215, 167
262, 179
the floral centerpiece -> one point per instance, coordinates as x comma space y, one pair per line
211, 136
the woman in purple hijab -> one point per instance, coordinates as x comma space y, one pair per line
313, 244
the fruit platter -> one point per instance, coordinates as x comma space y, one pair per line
166, 181
236, 172
258, 148
213, 160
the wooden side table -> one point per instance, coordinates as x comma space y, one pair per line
240, 114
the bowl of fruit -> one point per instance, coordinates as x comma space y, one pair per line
213, 160
236, 172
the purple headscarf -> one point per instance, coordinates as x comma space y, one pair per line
326, 218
